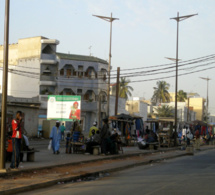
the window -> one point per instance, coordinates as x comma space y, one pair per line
86, 96
80, 71
68, 93
68, 72
80, 68
79, 91
62, 72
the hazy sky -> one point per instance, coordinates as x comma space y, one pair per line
142, 37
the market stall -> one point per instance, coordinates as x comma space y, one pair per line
129, 126
164, 130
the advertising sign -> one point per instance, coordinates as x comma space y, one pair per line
64, 107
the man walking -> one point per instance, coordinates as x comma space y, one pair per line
16, 140
55, 136
62, 128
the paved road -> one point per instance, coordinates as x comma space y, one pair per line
186, 175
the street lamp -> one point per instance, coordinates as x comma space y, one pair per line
178, 19
4, 88
207, 79
108, 19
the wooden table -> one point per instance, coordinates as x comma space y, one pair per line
77, 147
165, 137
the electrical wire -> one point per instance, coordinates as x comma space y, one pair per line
165, 64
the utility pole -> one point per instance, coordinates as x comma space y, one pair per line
207, 79
188, 109
108, 19
4, 88
99, 118
178, 19
117, 90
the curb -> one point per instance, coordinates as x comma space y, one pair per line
112, 157
69, 179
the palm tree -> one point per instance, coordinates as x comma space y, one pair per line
161, 94
181, 96
124, 88
164, 111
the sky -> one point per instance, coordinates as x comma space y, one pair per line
143, 36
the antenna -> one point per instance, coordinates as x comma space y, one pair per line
90, 50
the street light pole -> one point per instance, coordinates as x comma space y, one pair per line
4, 88
178, 19
207, 79
108, 19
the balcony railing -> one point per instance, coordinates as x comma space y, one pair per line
45, 56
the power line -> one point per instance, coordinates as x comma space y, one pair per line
153, 70
173, 75
212, 55
168, 71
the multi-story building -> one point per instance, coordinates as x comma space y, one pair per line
137, 106
196, 104
37, 70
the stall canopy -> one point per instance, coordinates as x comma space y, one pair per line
124, 117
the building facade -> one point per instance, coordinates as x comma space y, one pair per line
196, 104
137, 107
37, 70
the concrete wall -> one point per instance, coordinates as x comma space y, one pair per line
198, 107
29, 48
30, 118
137, 107
13, 54
121, 106
28, 85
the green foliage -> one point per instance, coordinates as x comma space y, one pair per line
124, 88
164, 111
161, 94
181, 96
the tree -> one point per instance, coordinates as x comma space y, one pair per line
161, 94
164, 111
181, 96
124, 88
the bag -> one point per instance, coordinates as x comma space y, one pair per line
50, 145
190, 136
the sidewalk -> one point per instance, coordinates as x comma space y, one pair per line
45, 158
76, 167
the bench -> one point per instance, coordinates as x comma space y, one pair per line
153, 145
96, 149
30, 155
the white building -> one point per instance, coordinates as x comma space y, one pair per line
138, 107
37, 70
182, 111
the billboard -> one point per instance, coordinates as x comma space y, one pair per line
64, 107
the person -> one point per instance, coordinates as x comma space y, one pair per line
94, 127
184, 134
104, 136
55, 136
24, 146
9, 147
75, 112
147, 130
62, 128
95, 140
197, 142
16, 140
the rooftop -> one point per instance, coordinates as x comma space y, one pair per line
80, 58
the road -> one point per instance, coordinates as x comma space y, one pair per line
185, 175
